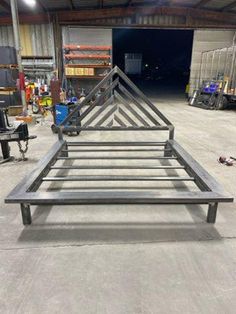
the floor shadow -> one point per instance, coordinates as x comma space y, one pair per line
44, 211
195, 211
97, 232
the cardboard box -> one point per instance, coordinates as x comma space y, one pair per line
86, 72
91, 71
69, 71
15, 111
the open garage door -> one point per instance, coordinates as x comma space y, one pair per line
157, 60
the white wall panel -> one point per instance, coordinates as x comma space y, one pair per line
87, 36
206, 40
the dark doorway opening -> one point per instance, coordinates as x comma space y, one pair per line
166, 59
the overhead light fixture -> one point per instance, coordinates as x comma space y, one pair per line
31, 3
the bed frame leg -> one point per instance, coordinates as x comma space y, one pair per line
65, 152
26, 214
168, 152
212, 211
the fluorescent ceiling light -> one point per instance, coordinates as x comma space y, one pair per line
31, 3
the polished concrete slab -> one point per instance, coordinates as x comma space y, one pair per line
124, 259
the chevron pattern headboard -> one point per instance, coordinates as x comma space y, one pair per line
118, 105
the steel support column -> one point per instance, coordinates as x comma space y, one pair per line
57, 45
15, 23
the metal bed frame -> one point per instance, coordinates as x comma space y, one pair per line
121, 106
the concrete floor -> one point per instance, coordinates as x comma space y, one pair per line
124, 259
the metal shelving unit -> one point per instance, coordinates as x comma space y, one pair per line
86, 64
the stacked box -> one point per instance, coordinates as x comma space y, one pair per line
10, 99
79, 71
86, 72
76, 71
91, 71
8, 77
8, 55
69, 71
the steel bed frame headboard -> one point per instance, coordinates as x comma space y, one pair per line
104, 113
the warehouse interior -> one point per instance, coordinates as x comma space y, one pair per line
117, 156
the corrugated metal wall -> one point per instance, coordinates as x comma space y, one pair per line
206, 40
155, 20
87, 36
36, 40
161, 20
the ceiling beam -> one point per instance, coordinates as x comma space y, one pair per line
26, 19
229, 6
201, 3
185, 26
5, 5
42, 7
71, 4
147, 2
88, 16
101, 4
147, 10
